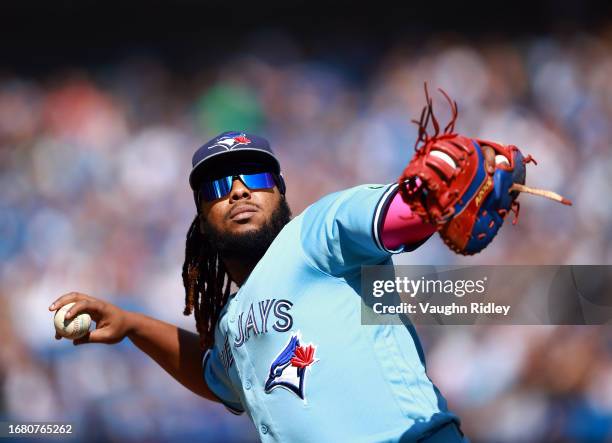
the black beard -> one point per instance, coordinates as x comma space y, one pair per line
250, 246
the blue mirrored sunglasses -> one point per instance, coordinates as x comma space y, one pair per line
219, 188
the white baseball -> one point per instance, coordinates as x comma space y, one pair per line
77, 327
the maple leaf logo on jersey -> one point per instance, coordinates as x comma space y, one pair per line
288, 370
230, 141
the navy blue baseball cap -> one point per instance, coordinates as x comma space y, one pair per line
229, 148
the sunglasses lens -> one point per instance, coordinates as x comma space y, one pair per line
263, 180
215, 189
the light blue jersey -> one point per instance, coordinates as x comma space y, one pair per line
291, 352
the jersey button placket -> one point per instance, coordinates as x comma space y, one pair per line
252, 390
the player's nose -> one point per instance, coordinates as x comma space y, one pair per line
239, 190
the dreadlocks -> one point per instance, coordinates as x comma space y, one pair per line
207, 283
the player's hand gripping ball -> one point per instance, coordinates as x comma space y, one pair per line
448, 184
75, 328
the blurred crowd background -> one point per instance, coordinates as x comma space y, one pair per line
94, 197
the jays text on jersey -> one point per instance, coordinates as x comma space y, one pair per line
291, 351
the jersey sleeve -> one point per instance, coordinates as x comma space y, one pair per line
341, 231
219, 382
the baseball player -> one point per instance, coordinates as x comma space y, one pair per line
288, 348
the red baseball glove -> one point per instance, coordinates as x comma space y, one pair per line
449, 184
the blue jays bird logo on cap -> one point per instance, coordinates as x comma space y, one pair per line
288, 370
230, 141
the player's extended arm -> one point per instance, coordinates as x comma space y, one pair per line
174, 349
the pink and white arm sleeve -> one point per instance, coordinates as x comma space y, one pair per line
402, 227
